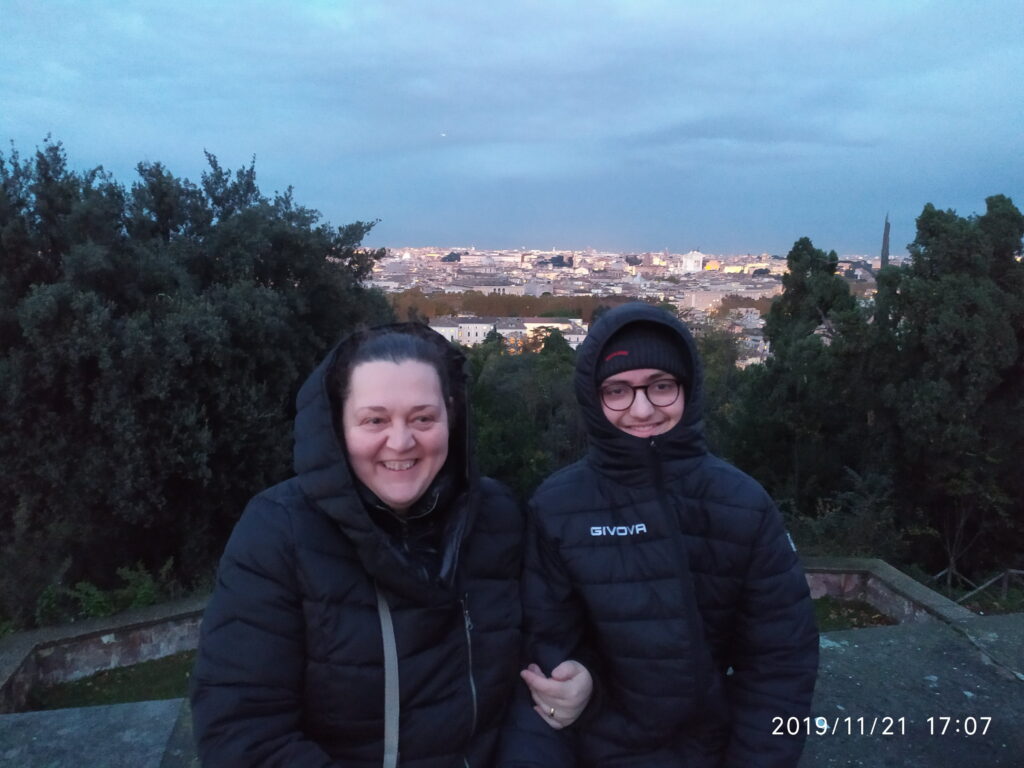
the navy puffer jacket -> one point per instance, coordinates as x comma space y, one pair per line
670, 573
290, 668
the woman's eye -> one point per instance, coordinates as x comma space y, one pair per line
614, 391
663, 386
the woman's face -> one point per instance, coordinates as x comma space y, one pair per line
396, 429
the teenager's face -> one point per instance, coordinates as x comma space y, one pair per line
642, 418
396, 429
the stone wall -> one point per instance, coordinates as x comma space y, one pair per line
59, 654
890, 591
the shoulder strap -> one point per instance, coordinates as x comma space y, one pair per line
391, 706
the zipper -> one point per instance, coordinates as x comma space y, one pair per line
698, 642
468, 623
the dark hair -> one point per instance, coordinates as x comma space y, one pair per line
389, 346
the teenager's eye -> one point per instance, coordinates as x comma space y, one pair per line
665, 386
615, 390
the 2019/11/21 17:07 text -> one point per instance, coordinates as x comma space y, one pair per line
879, 726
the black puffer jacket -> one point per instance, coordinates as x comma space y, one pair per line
290, 668
663, 567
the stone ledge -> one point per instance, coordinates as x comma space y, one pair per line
70, 651
887, 589
114, 736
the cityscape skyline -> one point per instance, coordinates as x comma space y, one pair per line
619, 126
396, 250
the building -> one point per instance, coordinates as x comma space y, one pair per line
447, 327
692, 262
516, 331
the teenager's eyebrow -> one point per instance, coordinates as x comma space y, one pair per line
617, 379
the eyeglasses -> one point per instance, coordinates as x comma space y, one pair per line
619, 397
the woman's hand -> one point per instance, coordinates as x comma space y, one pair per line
561, 698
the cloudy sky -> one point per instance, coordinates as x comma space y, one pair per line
732, 127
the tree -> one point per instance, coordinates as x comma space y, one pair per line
786, 428
906, 410
554, 344
718, 354
953, 322
152, 340
812, 296
525, 412
537, 338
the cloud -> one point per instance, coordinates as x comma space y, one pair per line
830, 111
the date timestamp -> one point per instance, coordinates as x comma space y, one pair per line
846, 726
970, 725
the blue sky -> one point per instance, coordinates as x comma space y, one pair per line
623, 125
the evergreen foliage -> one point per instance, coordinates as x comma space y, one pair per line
950, 329
525, 411
916, 392
718, 354
152, 339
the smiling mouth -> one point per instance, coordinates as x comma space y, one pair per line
644, 427
399, 466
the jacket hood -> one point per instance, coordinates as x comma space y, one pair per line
611, 449
322, 468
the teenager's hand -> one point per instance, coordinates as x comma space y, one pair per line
561, 698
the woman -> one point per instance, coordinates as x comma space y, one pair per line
667, 570
385, 565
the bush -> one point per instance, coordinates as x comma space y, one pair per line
857, 523
48, 608
139, 588
92, 601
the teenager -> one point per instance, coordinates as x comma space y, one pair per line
665, 570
